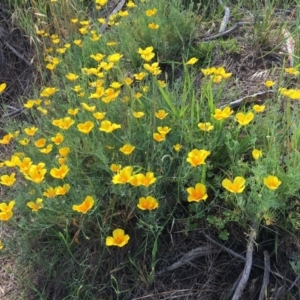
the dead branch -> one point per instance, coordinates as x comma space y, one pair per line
266, 279
248, 266
186, 258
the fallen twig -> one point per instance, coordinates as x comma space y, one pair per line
225, 20
215, 36
266, 279
115, 10
248, 266
294, 283
186, 258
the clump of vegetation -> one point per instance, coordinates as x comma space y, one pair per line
117, 153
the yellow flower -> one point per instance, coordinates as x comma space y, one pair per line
294, 94
292, 71
106, 66
24, 165
98, 94
205, 126
123, 13
62, 190
115, 168
153, 68
24, 142
85, 206
114, 57
6, 139
177, 147
116, 85
85, 127
141, 179
47, 92
269, 83
97, 57
222, 114
58, 139
36, 173
73, 112
128, 81
111, 43
161, 83
78, 42
99, 115
31, 130
151, 12
159, 137
148, 203
29, 104
259, 108
1, 245
138, 114
2, 87
40, 143
37, 205
130, 4
197, 157
87, 107
64, 123
123, 176
140, 76
163, 130
244, 119
119, 238
8, 180
153, 26
50, 192
198, 193
272, 182
64, 152
71, 76
256, 154
6, 210
161, 114
47, 150
147, 53
235, 186
110, 95
108, 127
192, 61
127, 149
60, 173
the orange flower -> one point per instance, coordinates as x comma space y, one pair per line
198, 193
197, 157
127, 149
148, 203
141, 179
85, 206
119, 238
60, 173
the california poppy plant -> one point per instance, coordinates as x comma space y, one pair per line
6, 211
197, 157
35, 206
235, 186
244, 119
85, 206
118, 238
147, 203
197, 193
272, 182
